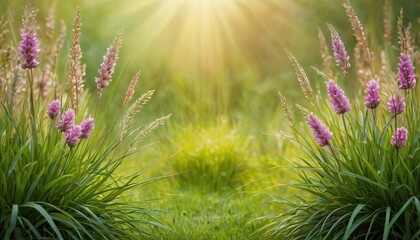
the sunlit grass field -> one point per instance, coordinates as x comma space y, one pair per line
221, 166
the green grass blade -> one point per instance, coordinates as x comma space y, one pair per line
386, 228
13, 220
46, 216
350, 228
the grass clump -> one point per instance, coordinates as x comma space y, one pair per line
362, 169
213, 159
57, 164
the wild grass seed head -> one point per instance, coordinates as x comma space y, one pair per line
66, 122
339, 101
387, 25
86, 127
53, 110
29, 49
50, 23
75, 67
399, 139
3, 29
303, 80
372, 97
319, 130
406, 73
340, 53
405, 37
128, 119
109, 62
286, 109
359, 33
357, 26
29, 45
72, 136
131, 88
396, 104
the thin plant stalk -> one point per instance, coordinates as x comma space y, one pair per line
32, 112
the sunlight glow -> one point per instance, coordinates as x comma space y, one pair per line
208, 36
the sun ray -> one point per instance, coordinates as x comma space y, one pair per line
205, 38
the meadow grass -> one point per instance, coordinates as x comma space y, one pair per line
58, 165
362, 169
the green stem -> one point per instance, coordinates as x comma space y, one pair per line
395, 124
407, 107
33, 116
364, 123
340, 164
94, 117
345, 128
97, 104
5, 75
64, 167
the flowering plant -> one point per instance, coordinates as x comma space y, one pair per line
57, 163
361, 170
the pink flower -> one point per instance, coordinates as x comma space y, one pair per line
29, 49
66, 122
321, 132
86, 126
72, 136
399, 139
396, 104
108, 65
53, 110
406, 74
372, 98
340, 54
339, 101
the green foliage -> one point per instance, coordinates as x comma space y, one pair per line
362, 187
193, 214
212, 158
51, 191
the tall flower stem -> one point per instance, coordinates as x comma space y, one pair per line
395, 124
374, 116
32, 112
406, 95
364, 122
374, 126
97, 105
345, 128
94, 116
340, 164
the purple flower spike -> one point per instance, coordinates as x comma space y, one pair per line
53, 110
399, 139
66, 122
321, 132
396, 104
339, 101
72, 136
86, 126
29, 49
406, 74
108, 65
340, 54
372, 98
107, 69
